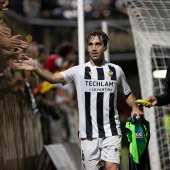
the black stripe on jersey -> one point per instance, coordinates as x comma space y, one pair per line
87, 105
88, 116
100, 73
100, 97
100, 114
87, 73
112, 114
113, 77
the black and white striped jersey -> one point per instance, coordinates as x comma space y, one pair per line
97, 98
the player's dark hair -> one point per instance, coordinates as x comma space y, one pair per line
102, 36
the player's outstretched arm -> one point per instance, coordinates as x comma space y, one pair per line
28, 64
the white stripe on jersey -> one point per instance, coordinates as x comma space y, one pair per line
97, 98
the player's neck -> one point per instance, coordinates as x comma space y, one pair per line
97, 62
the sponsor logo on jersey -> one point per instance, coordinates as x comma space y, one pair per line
99, 85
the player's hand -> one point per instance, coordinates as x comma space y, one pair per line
153, 101
25, 63
137, 111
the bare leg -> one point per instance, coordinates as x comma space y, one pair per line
111, 166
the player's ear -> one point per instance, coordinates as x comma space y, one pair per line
105, 48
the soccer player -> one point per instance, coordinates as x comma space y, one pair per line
162, 99
97, 83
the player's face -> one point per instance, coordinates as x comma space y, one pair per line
96, 49
1, 4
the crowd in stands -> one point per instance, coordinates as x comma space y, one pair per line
55, 104
67, 9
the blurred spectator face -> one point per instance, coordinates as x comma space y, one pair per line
7, 73
71, 56
32, 50
1, 4
44, 57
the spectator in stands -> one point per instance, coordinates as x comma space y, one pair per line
11, 46
42, 56
5, 34
61, 9
64, 56
39, 53
51, 9
32, 8
61, 97
32, 50
16, 6
120, 6
14, 107
9, 42
107, 9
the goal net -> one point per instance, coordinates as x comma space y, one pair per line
150, 22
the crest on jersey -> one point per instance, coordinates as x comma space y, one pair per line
139, 135
110, 73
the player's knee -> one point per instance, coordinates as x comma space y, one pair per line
111, 166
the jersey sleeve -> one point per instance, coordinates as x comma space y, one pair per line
69, 74
123, 86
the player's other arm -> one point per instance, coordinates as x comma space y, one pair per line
130, 98
29, 65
